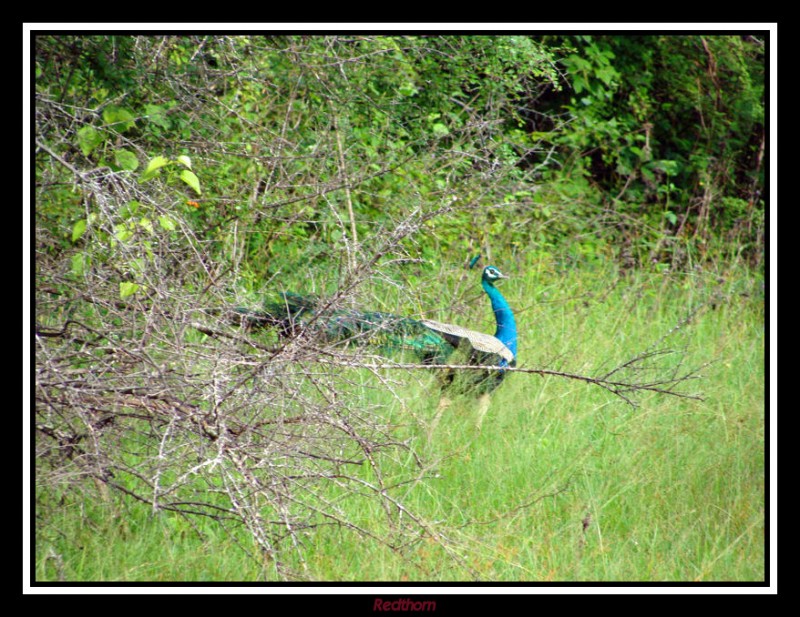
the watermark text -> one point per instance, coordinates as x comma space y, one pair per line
403, 604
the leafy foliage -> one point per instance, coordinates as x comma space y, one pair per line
671, 128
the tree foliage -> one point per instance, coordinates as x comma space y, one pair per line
671, 128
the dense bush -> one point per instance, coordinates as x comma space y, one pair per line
670, 130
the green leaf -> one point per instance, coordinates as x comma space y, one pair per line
153, 166
157, 115
78, 229
542, 135
670, 168
126, 289
185, 161
166, 223
129, 209
189, 178
125, 159
148, 248
88, 139
146, 223
123, 233
119, 117
79, 264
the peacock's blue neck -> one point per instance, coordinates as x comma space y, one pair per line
506, 326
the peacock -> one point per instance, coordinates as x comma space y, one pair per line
483, 349
432, 341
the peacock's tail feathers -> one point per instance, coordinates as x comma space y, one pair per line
388, 332
294, 303
286, 315
252, 319
391, 333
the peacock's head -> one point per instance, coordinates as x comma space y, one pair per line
492, 274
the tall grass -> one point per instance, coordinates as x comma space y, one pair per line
559, 481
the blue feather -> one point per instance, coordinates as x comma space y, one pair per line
506, 331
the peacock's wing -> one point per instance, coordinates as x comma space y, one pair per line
430, 346
390, 333
484, 343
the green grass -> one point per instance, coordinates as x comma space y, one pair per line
673, 489
102, 538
